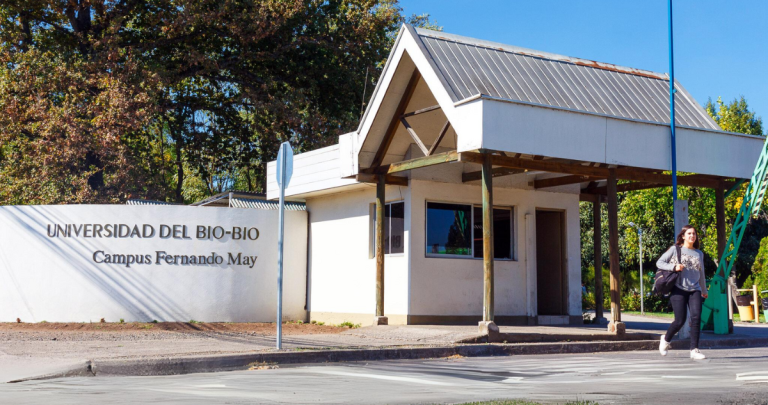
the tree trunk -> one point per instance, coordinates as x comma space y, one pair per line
180, 170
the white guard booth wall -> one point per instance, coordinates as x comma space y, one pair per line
55, 264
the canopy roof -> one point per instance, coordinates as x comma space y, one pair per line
471, 67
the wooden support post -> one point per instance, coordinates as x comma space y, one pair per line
487, 182
615, 326
487, 326
380, 319
597, 240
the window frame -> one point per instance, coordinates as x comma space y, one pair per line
472, 206
372, 249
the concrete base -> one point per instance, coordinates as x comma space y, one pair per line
380, 320
618, 328
488, 328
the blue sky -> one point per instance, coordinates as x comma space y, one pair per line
721, 47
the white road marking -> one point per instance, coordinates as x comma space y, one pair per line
381, 377
752, 378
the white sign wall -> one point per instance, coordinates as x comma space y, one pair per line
81, 263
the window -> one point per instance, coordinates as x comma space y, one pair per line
449, 232
502, 232
394, 228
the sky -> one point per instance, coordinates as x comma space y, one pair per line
720, 47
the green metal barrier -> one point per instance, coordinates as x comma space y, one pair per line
714, 313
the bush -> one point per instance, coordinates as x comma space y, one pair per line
759, 274
587, 301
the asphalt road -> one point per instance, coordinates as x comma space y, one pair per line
738, 376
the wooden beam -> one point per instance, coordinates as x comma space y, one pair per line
496, 172
439, 138
392, 128
561, 181
613, 248
415, 137
541, 165
639, 185
488, 281
625, 173
666, 179
586, 197
419, 162
598, 251
380, 201
374, 178
421, 111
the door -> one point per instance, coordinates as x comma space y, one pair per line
550, 263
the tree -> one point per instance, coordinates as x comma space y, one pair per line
165, 90
735, 117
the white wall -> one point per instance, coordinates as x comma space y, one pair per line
342, 273
521, 128
57, 279
443, 286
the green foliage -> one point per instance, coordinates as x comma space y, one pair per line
349, 324
735, 117
177, 99
759, 275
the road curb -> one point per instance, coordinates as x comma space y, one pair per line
231, 362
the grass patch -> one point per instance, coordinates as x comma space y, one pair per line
147, 326
658, 314
736, 317
192, 321
349, 324
524, 402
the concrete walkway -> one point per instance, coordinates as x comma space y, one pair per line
29, 354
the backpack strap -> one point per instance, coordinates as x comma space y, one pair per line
679, 254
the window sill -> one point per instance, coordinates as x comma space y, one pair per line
465, 258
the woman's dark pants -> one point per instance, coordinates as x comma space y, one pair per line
682, 300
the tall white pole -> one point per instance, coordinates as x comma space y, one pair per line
281, 220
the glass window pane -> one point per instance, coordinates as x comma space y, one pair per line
448, 229
386, 228
397, 225
502, 233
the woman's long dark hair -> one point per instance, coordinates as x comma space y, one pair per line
679, 240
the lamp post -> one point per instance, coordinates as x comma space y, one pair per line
640, 236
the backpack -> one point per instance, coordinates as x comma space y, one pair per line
665, 280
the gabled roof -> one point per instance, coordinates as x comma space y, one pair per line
471, 67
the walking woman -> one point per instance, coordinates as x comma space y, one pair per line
689, 289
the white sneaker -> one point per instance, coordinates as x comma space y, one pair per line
697, 355
664, 346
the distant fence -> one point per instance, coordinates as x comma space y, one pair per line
81, 263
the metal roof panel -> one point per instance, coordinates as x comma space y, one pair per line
472, 67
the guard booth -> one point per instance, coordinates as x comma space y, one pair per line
457, 198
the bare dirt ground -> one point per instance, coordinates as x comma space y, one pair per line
264, 329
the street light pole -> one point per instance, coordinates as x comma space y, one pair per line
642, 292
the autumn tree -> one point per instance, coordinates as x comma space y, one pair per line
171, 99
